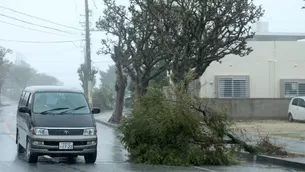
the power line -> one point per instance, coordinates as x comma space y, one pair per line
41, 42
31, 28
35, 24
103, 61
75, 8
94, 4
40, 18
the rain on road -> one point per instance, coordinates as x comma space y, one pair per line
111, 155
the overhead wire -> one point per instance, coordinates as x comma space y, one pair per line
14, 18
102, 61
38, 18
40, 42
94, 4
24, 27
75, 8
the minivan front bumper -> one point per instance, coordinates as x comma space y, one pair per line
49, 145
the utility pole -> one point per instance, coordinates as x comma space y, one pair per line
87, 76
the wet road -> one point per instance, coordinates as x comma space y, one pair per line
111, 155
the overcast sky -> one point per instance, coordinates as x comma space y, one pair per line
62, 59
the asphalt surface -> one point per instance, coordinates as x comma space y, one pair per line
111, 155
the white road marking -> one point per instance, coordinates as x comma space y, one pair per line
204, 169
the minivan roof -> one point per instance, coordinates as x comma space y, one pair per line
52, 88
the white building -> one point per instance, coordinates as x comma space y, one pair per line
275, 69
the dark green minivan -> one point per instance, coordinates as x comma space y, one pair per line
56, 121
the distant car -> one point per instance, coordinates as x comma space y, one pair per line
55, 121
296, 110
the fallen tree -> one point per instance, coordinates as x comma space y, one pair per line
174, 128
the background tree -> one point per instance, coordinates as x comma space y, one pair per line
108, 77
81, 76
197, 32
4, 66
117, 50
44, 79
144, 61
104, 95
81, 71
162, 79
21, 76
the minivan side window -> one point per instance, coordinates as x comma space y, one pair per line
301, 103
21, 98
25, 99
29, 103
295, 101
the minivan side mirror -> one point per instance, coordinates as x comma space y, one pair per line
95, 110
24, 110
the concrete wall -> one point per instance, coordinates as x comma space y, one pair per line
266, 66
253, 109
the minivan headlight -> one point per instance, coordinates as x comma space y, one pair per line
40, 131
89, 131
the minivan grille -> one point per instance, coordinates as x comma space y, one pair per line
56, 143
58, 132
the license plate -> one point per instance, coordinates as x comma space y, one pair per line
65, 145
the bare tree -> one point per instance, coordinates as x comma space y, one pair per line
197, 33
146, 60
114, 22
4, 66
81, 71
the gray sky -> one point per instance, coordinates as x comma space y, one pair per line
62, 60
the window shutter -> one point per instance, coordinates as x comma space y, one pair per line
233, 87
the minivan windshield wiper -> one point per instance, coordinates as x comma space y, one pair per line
74, 109
54, 109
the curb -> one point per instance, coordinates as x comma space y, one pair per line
106, 123
4, 105
278, 137
273, 160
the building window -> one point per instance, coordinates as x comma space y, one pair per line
292, 89
233, 86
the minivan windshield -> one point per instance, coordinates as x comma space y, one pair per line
58, 102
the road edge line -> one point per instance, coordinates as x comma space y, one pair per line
204, 169
264, 159
106, 123
10, 133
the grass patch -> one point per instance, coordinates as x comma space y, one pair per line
260, 121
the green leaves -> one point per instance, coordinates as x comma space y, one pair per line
81, 71
104, 97
164, 130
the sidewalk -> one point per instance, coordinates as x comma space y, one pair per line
103, 117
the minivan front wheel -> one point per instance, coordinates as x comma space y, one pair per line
91, 158
20, 148
30, 157
290, 117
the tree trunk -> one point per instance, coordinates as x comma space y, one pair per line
1, 84
121, 83
141, 87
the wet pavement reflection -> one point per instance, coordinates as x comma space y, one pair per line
111, 155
